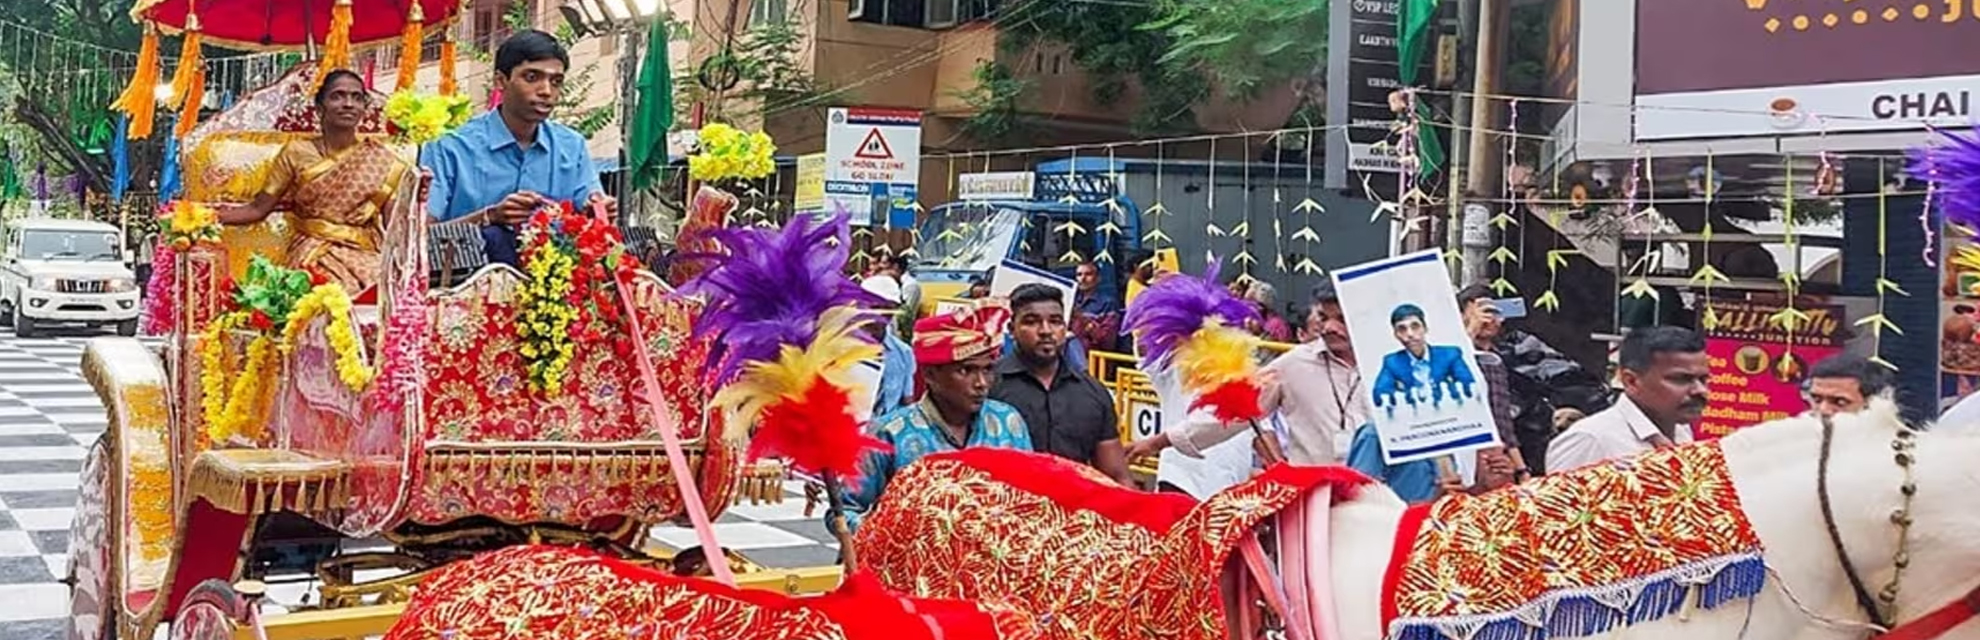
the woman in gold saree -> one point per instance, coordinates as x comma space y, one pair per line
336, 186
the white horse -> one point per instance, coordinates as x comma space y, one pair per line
1774, 468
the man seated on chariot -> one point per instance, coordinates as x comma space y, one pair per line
956, 360
504, 165
336, 185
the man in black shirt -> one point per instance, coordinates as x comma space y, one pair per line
1069, 414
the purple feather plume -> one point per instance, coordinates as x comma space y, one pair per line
768, 289
1166, 314
1955, 166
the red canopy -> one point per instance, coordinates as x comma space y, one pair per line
289, 24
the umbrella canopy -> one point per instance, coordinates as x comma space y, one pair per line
289, 24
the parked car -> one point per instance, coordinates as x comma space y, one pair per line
66, 272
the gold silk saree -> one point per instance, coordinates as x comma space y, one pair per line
335, 203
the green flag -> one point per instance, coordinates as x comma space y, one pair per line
646, 152
1413, 20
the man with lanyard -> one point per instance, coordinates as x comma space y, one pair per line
956, 360
506, 164
1315, 388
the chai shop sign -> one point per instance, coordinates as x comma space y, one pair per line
1758, 366
1423, 384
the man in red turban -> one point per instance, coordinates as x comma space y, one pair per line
955, 358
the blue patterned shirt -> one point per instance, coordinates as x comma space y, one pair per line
914, 432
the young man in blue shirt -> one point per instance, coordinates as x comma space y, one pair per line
504, 165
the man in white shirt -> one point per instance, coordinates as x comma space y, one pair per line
1663, 371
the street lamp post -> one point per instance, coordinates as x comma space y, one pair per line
627, 19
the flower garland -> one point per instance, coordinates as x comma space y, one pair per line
273, 303
330, 298
185, 224
727, 153
567, 294
181, 226
420, 119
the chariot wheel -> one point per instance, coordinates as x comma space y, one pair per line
212, 611
92, 591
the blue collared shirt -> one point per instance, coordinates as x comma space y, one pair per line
913, 432
480, 163
1414, 482
896, 375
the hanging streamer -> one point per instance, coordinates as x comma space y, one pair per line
448, 84
120, 161
168, 178
189, 81
336, 45
140, 99
410, 45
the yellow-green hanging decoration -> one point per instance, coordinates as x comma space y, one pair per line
1878, 322
1707, 274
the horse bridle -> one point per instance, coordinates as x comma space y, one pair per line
1882, 607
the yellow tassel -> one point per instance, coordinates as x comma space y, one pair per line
447, 85
189, 81
409, 47
140, 99
336, 45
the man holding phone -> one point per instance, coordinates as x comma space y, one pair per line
504, 165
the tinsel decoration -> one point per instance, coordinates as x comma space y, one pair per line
140, 99
189, 80
410, 44
1952, 171
337, 44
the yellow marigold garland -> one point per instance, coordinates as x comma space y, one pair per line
544, 321
330, 298
233, 408
236, 405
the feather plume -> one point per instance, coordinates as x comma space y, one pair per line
799, 402
1195, 326
770, 289
1172, 310
1955, 166
829, 358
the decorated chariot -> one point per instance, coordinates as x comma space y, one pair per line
282, 429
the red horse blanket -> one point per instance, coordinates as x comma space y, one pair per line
1082, 556
567, 594
1574, 554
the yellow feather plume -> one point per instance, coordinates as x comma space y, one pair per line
830, 357
1217, 354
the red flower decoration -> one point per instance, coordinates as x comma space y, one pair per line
317, 279
260, 321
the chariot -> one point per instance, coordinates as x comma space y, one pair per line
330, 490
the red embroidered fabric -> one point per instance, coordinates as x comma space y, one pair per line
552, 592
1085, 558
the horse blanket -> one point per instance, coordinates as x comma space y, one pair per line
1574, 554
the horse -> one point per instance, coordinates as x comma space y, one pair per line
1800, 528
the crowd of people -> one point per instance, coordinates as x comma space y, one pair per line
1001, 375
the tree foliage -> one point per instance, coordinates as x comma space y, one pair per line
1245, 44
993, 101
574, 103
62, 118
1105, 40
762, 71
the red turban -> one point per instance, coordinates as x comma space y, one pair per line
958, 336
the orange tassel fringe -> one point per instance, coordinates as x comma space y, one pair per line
410, 45
140, 99
336, 45
189, 81
447, 85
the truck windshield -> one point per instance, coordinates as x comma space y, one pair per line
968, 237
69, 245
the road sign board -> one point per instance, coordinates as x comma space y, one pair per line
872, 164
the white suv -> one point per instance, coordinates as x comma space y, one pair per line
56, 272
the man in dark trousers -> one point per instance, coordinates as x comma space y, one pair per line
1070, 414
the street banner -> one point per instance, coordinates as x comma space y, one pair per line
872, 165
996, 185
809, 197
1418, 369
1758, 367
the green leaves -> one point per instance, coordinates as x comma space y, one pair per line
1244, 44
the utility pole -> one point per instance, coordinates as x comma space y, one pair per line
1483, 166
629, 58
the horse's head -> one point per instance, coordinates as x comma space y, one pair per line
1900, 503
